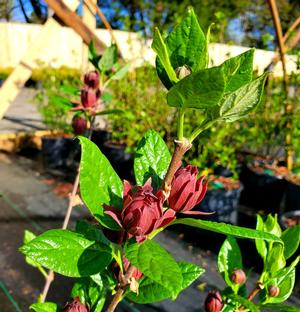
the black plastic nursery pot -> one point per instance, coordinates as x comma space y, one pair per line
121, 161
261, 191
223, 203
60, 153
292, 197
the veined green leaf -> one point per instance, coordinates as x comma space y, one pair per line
68, 253
229, 259
203, 89
164, 68
243, 101
109, 58
152, 159
150, 291
187, 44
238, 70
260, 244
228, 229
99, 183
90, 293
156, 263
291, 240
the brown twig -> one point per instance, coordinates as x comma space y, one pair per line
95, 8
181, 147
255, 291
287, 106
50, 276
121, 289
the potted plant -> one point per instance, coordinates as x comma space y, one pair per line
117, 255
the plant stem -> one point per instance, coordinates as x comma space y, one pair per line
255, 291
50, 276
200, 129
120, 291
180, 123
181, 147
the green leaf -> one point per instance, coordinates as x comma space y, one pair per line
120, 74
275, 259
150, 291
228, 229
285, 282
203, 89
156, 263
207, 44
109, 58
291, 240
260, 244
93, 57
164, 68
238, 70
90, 293
243, 301
29, 236
45, 307
99, 183
280, 307
92, 232
190, 272
229, 259
272, 226
68, 253
187, 44
244, 100
152, 159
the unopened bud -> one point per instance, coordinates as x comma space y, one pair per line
182, 72
273, 291
91, 79
79, 125
238, 277
213, 302
76, 306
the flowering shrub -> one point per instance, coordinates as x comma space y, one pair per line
129, 216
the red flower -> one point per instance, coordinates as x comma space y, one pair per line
186, 190
76, 306
89, 97
142, 211
79, 125
213, 302
91, 79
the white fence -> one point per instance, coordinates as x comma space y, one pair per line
66, 48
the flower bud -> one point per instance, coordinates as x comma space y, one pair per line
273, 291
91, 79
238, 276
89, 97
186, 190
79, 125
213, 302
136, 274
182, 72
76, 306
